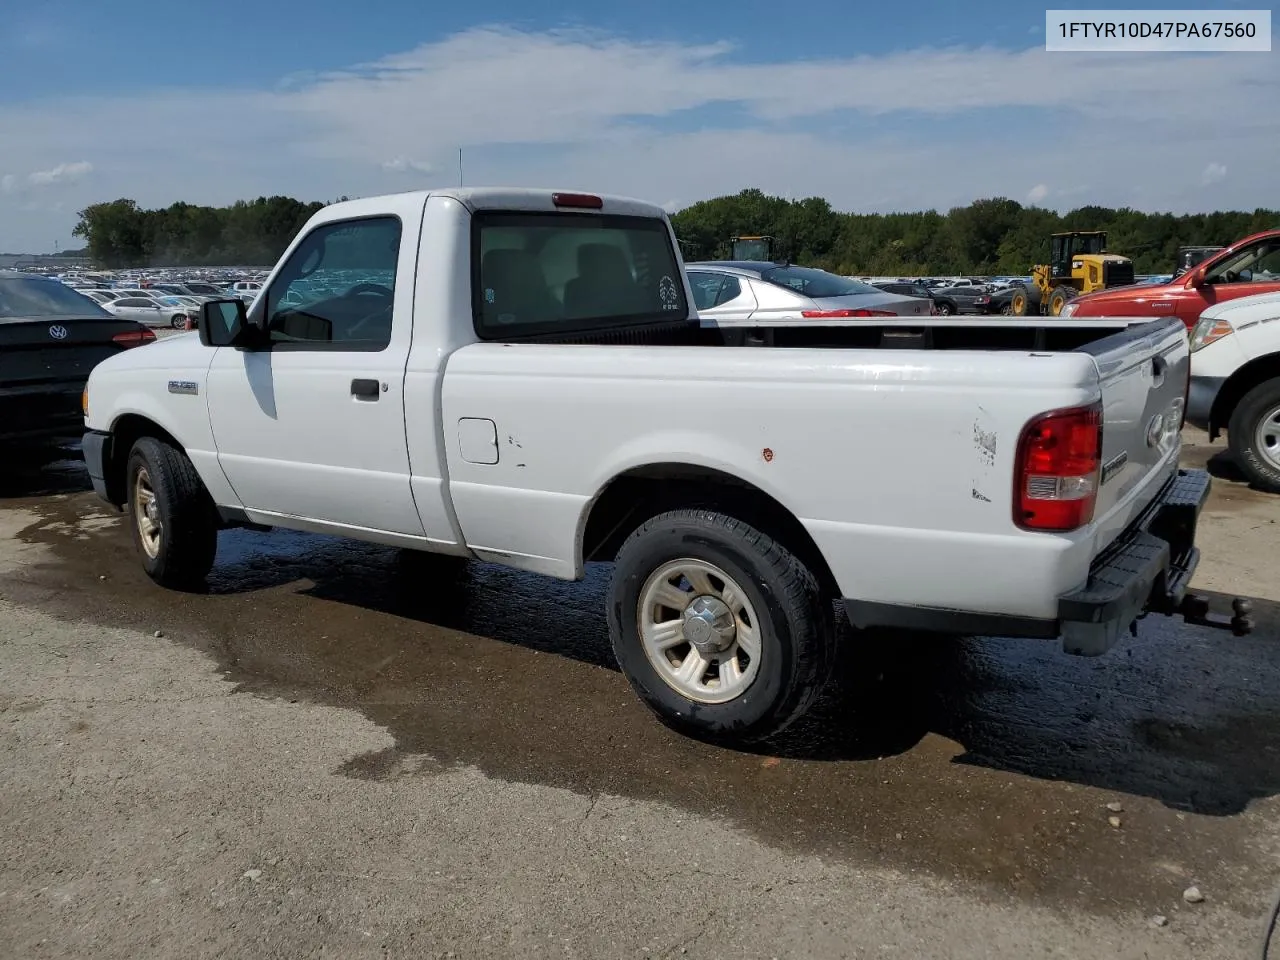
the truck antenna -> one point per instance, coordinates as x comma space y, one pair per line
459, 166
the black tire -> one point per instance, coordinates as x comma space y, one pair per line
796, 624
1021, 302
1059, 298
1259, 405
188, 536
178, 322
946, 309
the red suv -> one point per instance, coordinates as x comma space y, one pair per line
1249, 266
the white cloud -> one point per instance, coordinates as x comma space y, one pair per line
62, 173
7, 183
405, 165
577, 108
1213, 173
1037, 193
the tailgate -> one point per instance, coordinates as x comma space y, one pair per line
1143, 372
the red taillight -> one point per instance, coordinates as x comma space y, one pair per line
1059, 460
134, 338
585, 201
833, 314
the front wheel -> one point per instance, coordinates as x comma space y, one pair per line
178, 322
1253, 434
945, 310
718, 627
1059, 298
171, 515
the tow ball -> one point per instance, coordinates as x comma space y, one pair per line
1195, 609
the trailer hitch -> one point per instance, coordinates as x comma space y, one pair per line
1195, 609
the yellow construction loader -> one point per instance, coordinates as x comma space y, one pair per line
1078, 263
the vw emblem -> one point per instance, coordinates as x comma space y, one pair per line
58, 332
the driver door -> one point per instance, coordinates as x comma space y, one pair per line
311, 426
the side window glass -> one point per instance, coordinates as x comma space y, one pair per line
337, 288
730, 289
1256, 264
1267, 268
705, 286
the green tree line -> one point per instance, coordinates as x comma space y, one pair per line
989, 237
249, 232
992, 236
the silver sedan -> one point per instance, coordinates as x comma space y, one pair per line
756, 294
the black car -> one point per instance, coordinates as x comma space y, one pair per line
943, 304
970, 299
50, 338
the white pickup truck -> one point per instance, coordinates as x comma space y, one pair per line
1235, 382
517, 376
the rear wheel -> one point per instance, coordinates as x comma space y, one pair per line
172, 517
718, 627
178, 322
1254, 435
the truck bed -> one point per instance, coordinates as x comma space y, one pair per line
939, 333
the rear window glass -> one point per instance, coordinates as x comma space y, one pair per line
815, 283
552, 273
23, 298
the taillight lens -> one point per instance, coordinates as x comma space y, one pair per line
134, 338
836, 314
1059, 461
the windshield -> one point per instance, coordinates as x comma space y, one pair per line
816, 283
31, 298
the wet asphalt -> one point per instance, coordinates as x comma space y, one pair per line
982, 760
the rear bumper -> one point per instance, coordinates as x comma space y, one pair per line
1146, 570
1200, 399
44, 411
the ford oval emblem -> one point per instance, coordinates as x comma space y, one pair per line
58, 332
1155, 430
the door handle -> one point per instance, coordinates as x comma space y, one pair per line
365, 389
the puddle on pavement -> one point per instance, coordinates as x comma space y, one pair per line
983, 761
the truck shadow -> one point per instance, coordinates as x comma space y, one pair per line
1182, 714
1188, 716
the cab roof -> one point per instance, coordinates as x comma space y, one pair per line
525, 199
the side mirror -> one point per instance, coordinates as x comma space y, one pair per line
223, 323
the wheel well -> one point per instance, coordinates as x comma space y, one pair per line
1238, 384
125, 432
634, 496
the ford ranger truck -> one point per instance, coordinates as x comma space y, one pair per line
518, 377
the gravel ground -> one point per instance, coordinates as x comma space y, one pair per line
306, 763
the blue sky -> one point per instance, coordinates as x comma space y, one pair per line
876, 107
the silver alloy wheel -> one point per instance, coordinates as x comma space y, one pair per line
699, 631
146, 513
1266, 436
